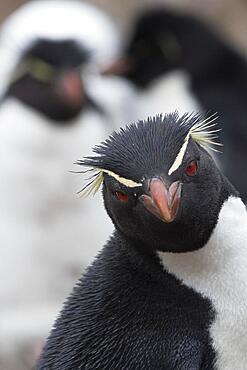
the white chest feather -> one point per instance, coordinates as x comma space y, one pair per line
46, 233
170, 92
218, 271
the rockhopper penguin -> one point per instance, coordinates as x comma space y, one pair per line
168, 291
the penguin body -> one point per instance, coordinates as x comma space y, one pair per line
168, 290
127, 313
168, 92
42, 218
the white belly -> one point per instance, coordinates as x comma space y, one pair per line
169, 93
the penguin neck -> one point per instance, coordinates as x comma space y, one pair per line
226, 247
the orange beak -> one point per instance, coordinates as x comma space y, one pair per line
163, 201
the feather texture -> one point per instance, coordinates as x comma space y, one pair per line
97, 178
204, 134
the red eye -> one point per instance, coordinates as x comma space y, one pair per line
191, 169
121, 196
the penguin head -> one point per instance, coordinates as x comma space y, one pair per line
161, 187
49, 78
162, 41
50, 50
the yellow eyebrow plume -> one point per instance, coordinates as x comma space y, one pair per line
204, 134
97, 179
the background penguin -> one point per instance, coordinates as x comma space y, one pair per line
49, 116
168, 291
214, 76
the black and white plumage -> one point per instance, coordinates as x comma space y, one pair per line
57, 20
54, 107
168, 291
166, 46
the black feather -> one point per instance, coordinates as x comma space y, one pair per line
159, 139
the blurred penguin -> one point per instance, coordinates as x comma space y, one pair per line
167, 49
54, 107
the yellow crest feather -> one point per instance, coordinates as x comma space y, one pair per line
204, 134
97, 178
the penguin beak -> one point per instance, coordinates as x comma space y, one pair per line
70, 88
121, 67
163, 201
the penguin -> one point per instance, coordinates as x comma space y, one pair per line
50, 114
176, 48
168, 290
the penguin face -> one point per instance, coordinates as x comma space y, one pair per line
168, 191
48, 78
163, 41
169, 213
